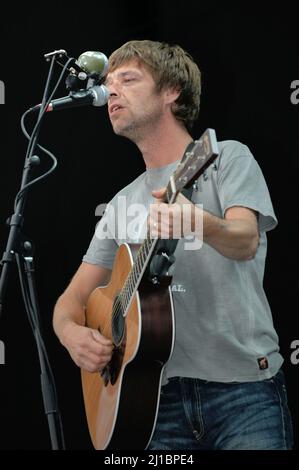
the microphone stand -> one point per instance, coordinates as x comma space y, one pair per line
21, 250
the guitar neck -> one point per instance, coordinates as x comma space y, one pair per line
133, 280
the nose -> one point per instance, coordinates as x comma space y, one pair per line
113, 89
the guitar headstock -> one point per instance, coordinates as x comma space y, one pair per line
203, 153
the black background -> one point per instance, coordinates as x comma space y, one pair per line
248, 60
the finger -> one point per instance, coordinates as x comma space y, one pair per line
173, 227
92, 366
99, 360
100, 350
153, 227
159, 193
93, 360
97, 336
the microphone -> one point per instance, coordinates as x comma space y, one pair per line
93, 62
87, 71
95, 96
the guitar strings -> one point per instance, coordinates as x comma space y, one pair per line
124, 298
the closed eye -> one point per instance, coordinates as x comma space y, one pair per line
126, 80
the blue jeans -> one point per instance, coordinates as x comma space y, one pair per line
198, 414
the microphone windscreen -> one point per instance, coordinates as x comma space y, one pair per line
93, 62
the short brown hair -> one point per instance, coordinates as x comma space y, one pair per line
170, 66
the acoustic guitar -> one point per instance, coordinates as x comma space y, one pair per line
135, 311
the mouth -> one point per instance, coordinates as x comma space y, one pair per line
114, 109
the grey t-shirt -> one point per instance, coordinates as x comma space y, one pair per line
224, 328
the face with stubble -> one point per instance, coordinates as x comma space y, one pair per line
135, 107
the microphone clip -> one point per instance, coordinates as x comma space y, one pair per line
79, 79
76, 81
60, 53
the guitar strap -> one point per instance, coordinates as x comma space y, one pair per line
163, 256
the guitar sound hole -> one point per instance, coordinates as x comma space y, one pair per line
118, 322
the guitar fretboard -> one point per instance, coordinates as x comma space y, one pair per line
133, 280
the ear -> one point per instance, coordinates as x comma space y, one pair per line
171, 95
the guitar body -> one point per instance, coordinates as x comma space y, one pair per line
122, 402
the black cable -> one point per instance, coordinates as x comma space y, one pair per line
44, 105
42, 108
44, 175
32, 136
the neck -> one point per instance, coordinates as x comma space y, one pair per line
164, 146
